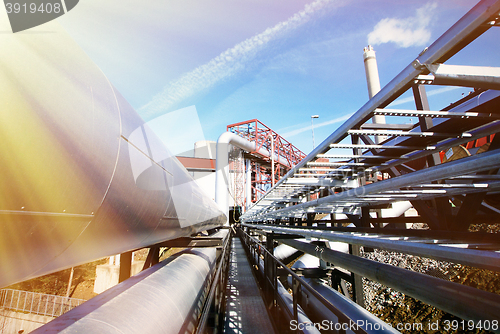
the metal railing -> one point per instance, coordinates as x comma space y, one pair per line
272, 266
212, 315
37, 303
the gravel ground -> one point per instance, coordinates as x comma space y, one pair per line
378, 296
394, 307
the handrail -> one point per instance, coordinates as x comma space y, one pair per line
298, 283
218, 282
37, 303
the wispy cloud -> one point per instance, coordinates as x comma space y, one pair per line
429, 93
316, 125
407, 32
227, 64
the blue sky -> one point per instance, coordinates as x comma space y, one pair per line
279, 61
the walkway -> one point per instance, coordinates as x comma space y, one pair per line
245, 309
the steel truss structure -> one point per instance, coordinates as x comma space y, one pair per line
446, 166
263, 168
408, 165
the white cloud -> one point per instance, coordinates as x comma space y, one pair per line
411, 31
227, 64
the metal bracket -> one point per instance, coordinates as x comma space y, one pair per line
418, 65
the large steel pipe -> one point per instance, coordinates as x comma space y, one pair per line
165, 298
303, 323
463, 301
81, 174
363, 319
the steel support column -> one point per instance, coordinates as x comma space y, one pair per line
357, 280
152, 258
125, 266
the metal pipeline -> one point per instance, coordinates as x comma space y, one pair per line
83, 176
222, 165
320, 314
283, 251
306, 261
303, 322
480, 162
165, 298
363, 319
222, 233
450, 297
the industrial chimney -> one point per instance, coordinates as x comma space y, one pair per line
373, 83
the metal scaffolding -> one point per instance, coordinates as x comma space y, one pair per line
446, 166
265, 170
414, 163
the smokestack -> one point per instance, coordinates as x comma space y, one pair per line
373, 83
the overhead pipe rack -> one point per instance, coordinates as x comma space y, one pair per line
406, 165
419, 163
265, 169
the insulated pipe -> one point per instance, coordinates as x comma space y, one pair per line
283, 251
222, 165
162, 299
450, 297
398, 209
248, 184
82, 175
363, 319
306, 261
222, 233
303, 322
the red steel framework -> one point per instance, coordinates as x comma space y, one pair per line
256, 131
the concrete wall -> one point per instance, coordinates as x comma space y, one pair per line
206, 180
107, 275
14, 322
